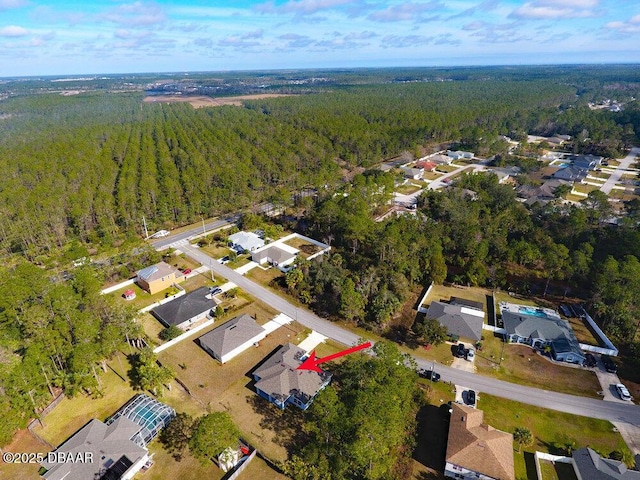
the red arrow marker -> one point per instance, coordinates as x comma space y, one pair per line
311, 363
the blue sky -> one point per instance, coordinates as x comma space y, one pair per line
111, 36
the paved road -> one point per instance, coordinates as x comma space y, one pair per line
306, 318
179, 237
612, 411
620, 170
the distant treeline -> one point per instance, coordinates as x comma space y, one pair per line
90, 166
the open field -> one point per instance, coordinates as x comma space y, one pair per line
553, 431
204, 101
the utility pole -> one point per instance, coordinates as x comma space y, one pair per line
146, 233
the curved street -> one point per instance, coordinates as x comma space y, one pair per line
612, 411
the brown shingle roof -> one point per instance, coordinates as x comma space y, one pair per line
479, 447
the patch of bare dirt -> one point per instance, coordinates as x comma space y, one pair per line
204, 101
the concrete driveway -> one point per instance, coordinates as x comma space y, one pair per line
463, 364
607, 381
462, 395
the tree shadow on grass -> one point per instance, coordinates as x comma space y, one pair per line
433, 430
286, 424
530, 464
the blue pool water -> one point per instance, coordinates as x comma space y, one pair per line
562, 165
533, 311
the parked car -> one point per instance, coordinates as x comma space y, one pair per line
216, 291
225, 259
460, 350
470, 354
623, 392
590, 361
429, 374
471, 398
609, 364
186, 271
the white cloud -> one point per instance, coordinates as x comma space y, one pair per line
13, 31
556, 9
404, 41
631, 26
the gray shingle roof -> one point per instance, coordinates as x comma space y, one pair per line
280, 379
231, 335
593, 467
457, 321
107, 443
552, 330
183, 308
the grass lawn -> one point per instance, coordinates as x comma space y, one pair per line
521, 365
582, 331
306, 248
552, 430
264, 277
73, 413
431, 175
582, 188
216, 251
22, 442
502, 296
446, 168
444, 293
165, 466
240, 261
407, 189
573, 198
557, 471
204, 376
602, 175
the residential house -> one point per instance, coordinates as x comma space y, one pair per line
460, 155
571, 173
587, 162
542, 194
440, 159
413, 173
232, 338
279, 255
245, 241
426, 166
476, 450
460, 320
184, 311
279, 381
588, 465
540, 328
112, 450
158, 277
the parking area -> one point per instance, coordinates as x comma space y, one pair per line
464, 396
607, 382
463, 364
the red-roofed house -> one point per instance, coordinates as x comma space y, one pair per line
427, 166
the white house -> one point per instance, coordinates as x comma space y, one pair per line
248, 241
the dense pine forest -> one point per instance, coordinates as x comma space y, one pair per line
81, 171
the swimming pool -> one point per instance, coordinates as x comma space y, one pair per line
533, 311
